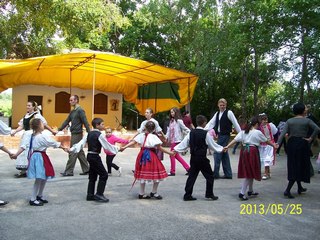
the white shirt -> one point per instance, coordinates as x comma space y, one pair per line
40, 142
4, 129
253, 137
151, 141
231, 117
182, 147
102, 139
143, 126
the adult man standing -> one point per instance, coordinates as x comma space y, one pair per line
222, 122
78, 118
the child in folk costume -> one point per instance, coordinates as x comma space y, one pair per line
40, 167
249, 161
267, 153
112, 139
96, 140
158, 130
148, 167
199, 140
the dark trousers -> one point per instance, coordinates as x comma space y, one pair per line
198, 164
110, 164
96, 168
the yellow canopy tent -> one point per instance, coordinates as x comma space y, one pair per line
142, 83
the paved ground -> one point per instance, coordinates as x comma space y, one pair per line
69, 216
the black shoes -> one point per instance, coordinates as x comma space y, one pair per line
288, 195
171, 174
101, 198
144, 196
243, 197
155, 196
225, 177
213, 197
20, 175
301, 190
189, 198
63, 174
2, 203
84, 173
90, 198
252, 193
35, 203
40, 199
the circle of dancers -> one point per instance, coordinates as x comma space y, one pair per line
256, 139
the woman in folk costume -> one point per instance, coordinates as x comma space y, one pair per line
40, 167
249, 160
148, 167
298, 148
267, 152
33, 112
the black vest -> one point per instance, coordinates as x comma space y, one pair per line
224, 122
198, 146
93, 141
26, 121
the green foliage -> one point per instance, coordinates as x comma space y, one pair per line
6, 104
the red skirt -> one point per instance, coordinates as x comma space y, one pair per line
47, 165
149, 169
249, 163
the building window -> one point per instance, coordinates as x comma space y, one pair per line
100, 104
62, 102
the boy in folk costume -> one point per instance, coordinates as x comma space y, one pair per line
199, 140
96, 140
267, 152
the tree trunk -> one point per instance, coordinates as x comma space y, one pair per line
256, 82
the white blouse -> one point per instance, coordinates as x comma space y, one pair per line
151, 141
253, 137
4, 129
40, 142
143, 126
37, 115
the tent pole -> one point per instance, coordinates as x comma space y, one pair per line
155, 101
188, 107
93, 86
70, 77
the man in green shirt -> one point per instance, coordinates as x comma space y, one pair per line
77, 118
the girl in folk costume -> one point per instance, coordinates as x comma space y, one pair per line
148, 167
174, 135
40, 167
267, 153
158, 130
249, 160
24, 124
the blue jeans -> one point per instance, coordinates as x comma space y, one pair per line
223, 157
